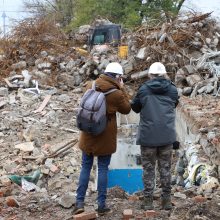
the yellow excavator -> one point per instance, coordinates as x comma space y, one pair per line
108, 34
105, 36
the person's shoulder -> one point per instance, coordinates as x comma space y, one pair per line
173, 86
143, 86
172, 83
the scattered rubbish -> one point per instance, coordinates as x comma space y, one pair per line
43, 104
40, 61
30, 178
34, 91
27, 186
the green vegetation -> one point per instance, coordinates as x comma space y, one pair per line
118, 11
161, 9
130, 13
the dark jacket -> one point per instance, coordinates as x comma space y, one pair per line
156, 101
105, 143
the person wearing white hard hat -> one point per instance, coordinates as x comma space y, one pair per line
158, 69
114, 70
104, 144
156, 101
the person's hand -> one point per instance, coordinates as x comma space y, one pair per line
121, 82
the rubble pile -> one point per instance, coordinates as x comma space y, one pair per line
203, 113
41, 82
188, 47
34, 35
41, 48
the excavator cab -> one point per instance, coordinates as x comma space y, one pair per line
109, 34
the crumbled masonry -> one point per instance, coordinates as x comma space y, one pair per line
43, 76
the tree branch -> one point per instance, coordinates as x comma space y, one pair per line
52, 5
180, 4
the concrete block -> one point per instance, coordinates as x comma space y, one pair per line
127, 214
199, 199
3, 91
150, 213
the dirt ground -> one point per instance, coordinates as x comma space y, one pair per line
182, 209
35, 205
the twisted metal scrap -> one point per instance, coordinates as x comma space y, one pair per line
171, 43
210, 65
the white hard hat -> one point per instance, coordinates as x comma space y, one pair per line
114, 68
157, 68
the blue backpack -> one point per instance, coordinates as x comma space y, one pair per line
91, 117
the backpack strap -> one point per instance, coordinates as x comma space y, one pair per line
110, 91
93, 85
105, 93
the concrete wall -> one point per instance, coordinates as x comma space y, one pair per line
183, 129
186, 133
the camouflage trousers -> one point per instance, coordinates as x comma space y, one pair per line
149, 156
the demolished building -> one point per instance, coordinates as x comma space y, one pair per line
42, 79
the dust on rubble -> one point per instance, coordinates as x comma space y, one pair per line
43, 74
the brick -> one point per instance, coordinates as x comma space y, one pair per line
133, 198
85, 216
6, 181
5, 191
139, 217
127, 214
54, 168
150, 213
199, 199
11, 202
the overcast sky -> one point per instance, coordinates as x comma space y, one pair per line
14, 9
204, 6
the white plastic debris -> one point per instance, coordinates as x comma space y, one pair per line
27, 186
27, 77
35, 90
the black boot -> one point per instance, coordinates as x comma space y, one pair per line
148, 203
103, 210
166, 203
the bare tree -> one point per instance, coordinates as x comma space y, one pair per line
63, 10
39, 7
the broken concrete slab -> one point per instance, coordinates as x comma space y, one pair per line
190, 69
187, 91
3, 91
141, 53
193, 79
67, 200
139, 75
26, 146
19, 65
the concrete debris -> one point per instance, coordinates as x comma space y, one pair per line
26, 147
42, 82
180, 195
67, 200
3, 91
43, 104
139, 75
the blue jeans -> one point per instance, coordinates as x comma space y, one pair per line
87, 162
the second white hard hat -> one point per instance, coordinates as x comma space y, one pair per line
114, 67
157, 68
